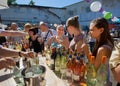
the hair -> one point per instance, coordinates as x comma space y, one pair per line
73, 21
34, 30
105, 37
27, 25
43, 23
58, 26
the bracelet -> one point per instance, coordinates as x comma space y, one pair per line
19, 53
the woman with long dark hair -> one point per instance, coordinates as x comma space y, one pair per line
104, 43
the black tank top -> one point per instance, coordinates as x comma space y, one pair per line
34, 44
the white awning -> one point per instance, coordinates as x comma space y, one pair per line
3, 4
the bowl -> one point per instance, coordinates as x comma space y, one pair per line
34, 71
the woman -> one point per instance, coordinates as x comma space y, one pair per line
56, 42
35, 42
59, 38
78, 43
104, 42
79, 48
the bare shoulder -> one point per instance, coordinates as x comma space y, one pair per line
104, 51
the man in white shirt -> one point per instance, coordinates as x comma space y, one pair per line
46, 33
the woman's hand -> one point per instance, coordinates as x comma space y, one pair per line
64, 42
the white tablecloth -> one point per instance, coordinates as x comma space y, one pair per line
51, 78
6, 78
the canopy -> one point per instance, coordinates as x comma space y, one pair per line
3, 4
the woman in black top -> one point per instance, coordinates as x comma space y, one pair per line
35, 42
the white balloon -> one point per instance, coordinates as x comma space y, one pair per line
96, 6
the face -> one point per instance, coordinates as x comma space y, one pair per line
60, 31
30, 33
94, 31
70, 29
14, 26
27, 29
42, 28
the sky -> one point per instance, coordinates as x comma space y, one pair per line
49, 3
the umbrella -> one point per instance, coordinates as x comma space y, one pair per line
3, 4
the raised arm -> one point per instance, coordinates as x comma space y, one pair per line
6, 52
12, 33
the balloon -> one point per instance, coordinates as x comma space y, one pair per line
107, 15
118, 21
95, 6
115, 19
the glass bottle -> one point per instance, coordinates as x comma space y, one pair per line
102, 72
91, 72
76, 69
57, 61
69, 67
63, 64
82, 71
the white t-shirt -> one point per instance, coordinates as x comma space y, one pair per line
1, 30
4, 80
47, 35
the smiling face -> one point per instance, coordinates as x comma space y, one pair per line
60, 30
94, 31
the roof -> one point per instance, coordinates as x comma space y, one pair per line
35, 6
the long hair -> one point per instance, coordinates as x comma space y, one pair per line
105, 37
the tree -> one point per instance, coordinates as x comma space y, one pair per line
11, 2
32, 2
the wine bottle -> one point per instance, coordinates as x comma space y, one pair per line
102, 72
91, 72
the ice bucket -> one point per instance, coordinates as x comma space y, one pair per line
35, 74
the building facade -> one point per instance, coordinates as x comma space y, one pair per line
34, 14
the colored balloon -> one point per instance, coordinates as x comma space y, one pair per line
118, 21
107, 15
114, 19
95, 6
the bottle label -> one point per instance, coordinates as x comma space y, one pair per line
75, 77
68, 73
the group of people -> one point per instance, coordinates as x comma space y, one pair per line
42, 36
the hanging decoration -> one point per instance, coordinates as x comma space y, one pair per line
96, 6
107, 15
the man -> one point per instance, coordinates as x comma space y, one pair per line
46, 33
115, 63
14, 27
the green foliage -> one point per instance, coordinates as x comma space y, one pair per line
11, 2
32, 2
